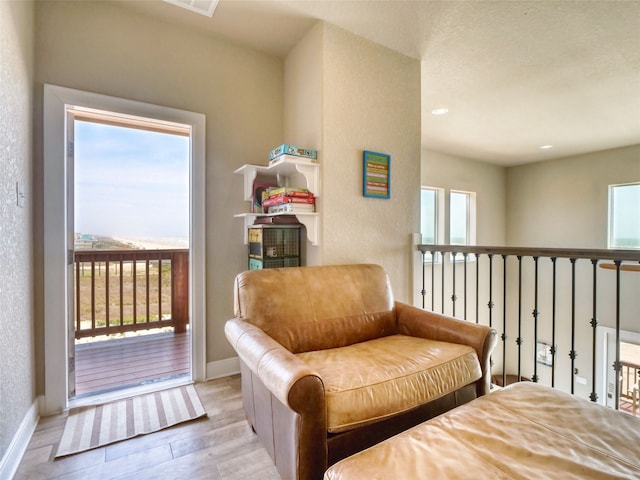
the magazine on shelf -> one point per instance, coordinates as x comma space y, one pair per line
279, 200
293, 191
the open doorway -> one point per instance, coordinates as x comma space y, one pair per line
628, 377
131, 251
60, 106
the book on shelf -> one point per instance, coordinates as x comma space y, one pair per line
258, 193
291, 158
282, 199
293, 191
292, 208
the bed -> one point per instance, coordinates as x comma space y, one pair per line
524, 431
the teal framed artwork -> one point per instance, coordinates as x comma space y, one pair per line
376, 176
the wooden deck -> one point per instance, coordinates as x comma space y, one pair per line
112, 364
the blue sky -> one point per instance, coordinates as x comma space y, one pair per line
130, 183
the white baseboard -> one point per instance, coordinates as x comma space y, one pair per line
223, 368
18, 446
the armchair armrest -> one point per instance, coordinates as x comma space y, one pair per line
294, 420
288, 378
421, 323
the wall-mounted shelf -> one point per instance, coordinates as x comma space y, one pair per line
309, 220
299, 173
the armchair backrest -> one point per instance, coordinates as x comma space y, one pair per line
315, 308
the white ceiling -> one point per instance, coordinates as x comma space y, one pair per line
515, 75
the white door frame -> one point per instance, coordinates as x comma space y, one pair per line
605, 357
56, 101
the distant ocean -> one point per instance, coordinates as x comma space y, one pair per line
158, 242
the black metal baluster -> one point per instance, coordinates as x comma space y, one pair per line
572, 353
594, 324
442, 285
433, 285
423, 292
519, 339
490, 304
553, 326
535, 319
504, 321
453, 282
478, 288
465, 285
617, 366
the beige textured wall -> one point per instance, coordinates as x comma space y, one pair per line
371, 101
104, 48
488, 181
17, 369
563, 203
303, 78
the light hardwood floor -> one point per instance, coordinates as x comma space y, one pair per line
222, 446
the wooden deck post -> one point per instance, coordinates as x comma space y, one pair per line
180, 291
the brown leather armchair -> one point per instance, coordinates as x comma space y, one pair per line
331, 364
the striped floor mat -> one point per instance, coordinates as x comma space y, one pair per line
96, 426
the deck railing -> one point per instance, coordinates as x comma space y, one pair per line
629, 376
569, 293
119, 291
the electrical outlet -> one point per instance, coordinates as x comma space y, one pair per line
581, 380
20, 194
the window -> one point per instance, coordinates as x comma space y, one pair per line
461, 220
431, 219
624, 216
429, 215
436, 220
458, 218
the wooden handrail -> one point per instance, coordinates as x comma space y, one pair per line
599, 254
624, 267
179, 259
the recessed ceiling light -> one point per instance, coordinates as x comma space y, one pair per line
440, 111
545, 147
203, 7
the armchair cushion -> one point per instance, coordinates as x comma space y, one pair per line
368, 381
